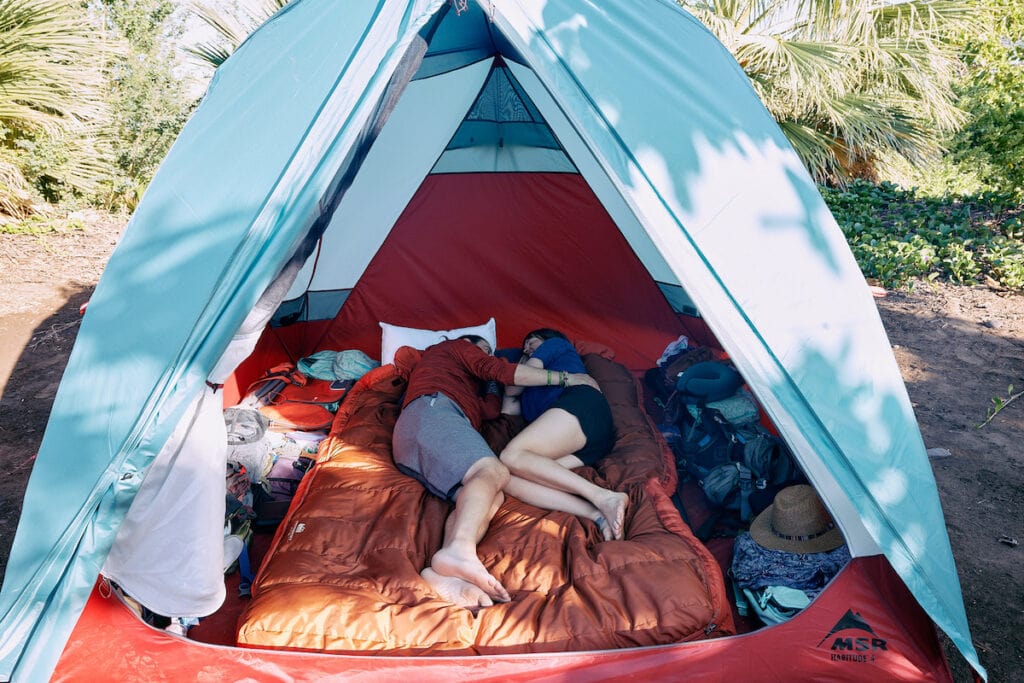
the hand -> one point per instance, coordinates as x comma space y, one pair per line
576, 378
511, 406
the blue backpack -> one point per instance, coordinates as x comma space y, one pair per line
731, 462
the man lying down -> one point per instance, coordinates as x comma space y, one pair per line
437, 441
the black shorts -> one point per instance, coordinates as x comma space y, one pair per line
590, 408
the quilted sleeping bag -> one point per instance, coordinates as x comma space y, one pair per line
342, 574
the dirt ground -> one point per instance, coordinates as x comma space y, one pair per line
958, 348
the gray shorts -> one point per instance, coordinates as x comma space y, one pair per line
436, 444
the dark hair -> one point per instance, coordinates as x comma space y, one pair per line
474, 338
545, 333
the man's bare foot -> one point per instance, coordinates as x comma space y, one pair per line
612, 507
448, 562
459, 592
605, 528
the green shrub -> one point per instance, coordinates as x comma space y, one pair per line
38, 224
898, 236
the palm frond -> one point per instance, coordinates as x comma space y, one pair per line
48, 54
848, 79
211, 54
230, 29
16, 197
816, 150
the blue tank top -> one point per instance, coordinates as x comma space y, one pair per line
555, 354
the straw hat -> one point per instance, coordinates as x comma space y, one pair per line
796, 522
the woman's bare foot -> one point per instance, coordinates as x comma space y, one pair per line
605, 528
612, 507
449, 562
459, 592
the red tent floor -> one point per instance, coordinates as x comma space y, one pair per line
865, 626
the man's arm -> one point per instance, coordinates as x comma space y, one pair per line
529, 376
512, 390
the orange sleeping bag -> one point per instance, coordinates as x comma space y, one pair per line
342, 574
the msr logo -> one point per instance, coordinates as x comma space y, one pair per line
851, 648
297, 529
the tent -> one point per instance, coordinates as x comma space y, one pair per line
389, 142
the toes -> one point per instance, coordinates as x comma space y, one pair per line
499, 593
620, 517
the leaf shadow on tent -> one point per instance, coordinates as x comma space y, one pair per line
877, 459
703, 148
128, 352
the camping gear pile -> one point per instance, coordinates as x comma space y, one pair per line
603, 167
791, 552
713, 425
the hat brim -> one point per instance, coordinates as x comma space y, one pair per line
761, 532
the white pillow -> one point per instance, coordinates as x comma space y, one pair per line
393, 337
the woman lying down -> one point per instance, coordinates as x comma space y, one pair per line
437, 441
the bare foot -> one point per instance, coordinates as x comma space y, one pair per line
448, 562
613, 508
605, 528
459, 592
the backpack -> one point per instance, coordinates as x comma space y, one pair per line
662, 379
291, 400
739, 468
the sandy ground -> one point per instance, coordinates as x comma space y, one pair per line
957, 347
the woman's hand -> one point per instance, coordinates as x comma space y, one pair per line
577, 378
510, 405
513, 391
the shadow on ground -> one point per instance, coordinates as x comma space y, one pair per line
955, 358
25, 405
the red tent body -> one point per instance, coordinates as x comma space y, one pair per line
454, 259
865, 626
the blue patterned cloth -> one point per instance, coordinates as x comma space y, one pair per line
755, 567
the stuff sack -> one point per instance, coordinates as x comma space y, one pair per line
739, 409
771, 604
289, 416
